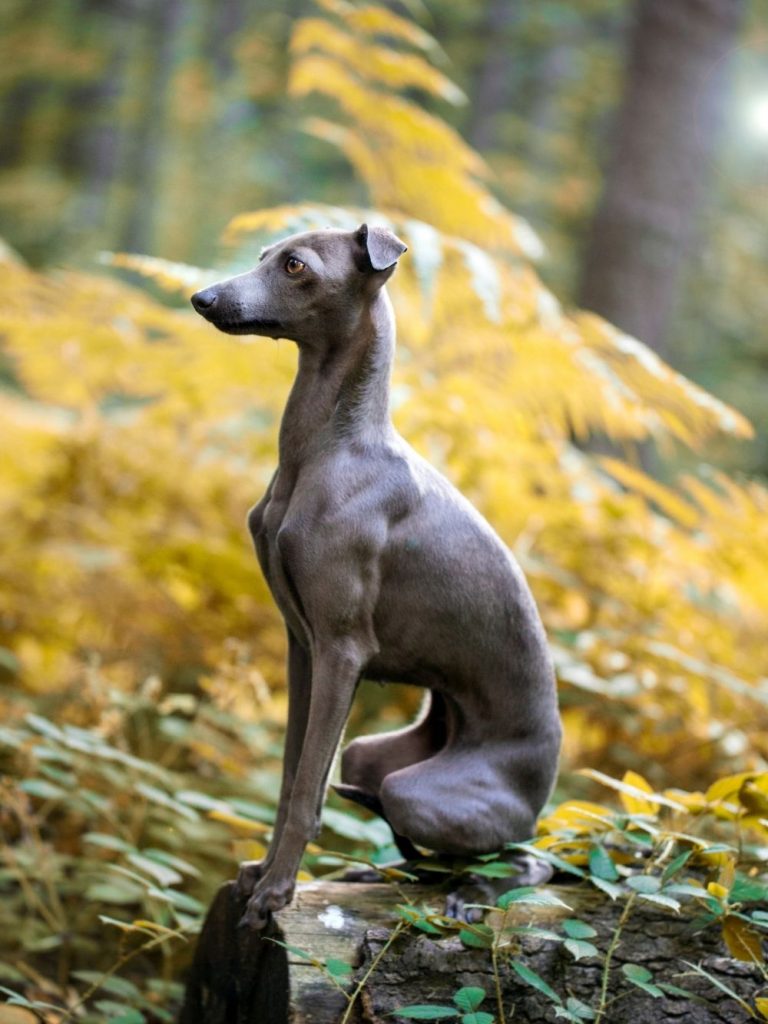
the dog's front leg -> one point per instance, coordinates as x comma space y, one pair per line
299, 690
335, 671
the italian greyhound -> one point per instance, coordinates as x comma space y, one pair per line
383, 570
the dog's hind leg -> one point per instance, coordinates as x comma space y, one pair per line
368, 760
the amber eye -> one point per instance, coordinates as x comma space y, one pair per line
294, 266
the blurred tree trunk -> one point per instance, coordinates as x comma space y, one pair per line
90, 148
490, 92
666, 133
145, 143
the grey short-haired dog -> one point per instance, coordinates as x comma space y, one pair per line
382, 570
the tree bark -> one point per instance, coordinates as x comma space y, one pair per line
665, 137
239, 977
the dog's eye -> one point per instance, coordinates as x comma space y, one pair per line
294, 266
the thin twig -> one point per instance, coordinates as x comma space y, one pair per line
116, 967
609, 955
399, 928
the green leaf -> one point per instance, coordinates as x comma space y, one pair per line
579, 949
662, 901
114, 892
110, 983
675, 990
477, 1018
160, 872
338, 968
469, 998
416, 918
530, 977
296, 951
43, 789
117, 1012
609, 888
576, 929
636, 973
161, 799
579, 1009
748, 890
642, 978
496, 869
684, 889
424, 1012
175, 862
676, 865
42, 725
178, 899
477, 936
644, 883
562, 1014
529, 895
108, 842
601, 865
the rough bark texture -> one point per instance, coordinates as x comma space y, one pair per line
665, 136
240, 977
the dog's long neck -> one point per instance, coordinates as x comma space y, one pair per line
343, 391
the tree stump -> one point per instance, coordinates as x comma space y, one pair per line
242, 977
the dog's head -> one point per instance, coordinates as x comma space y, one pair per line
305, 285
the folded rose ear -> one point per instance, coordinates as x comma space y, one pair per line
384, 248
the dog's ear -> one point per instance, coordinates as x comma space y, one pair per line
381, 245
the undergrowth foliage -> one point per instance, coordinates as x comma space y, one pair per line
133, 616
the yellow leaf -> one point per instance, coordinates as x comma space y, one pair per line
578, 816
743, 943
633, 804
629, 789
717, 890
729, 785
753, 797
761, 1003
694, 803
304, 876
248, 849
237, 822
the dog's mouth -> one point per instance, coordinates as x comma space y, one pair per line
267, 327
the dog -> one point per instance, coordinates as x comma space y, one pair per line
382, 569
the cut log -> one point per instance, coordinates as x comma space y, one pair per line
241, 977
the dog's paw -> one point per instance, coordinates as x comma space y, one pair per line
268, 897
456, 903
248, 875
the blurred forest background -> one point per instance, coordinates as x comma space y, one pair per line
582, 349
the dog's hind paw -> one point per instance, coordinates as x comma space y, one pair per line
529, 871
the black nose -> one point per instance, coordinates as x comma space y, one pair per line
204, 300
